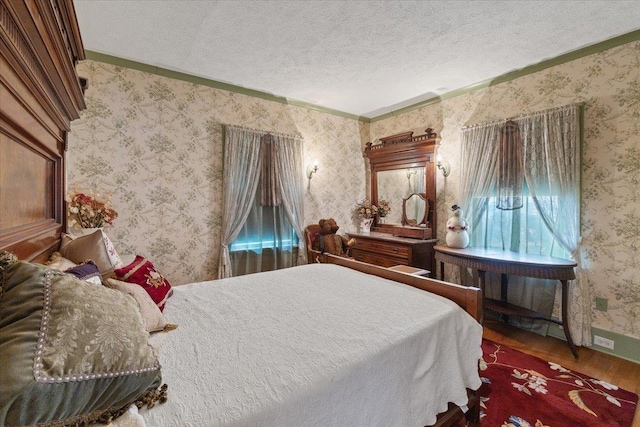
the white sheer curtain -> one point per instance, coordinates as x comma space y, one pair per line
478, 169
551, 141
242, 163
243, 159
551, 148
289, 163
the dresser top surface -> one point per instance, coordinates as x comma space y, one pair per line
387, 237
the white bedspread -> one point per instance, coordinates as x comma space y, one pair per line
314, 345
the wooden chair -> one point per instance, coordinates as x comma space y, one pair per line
310, 232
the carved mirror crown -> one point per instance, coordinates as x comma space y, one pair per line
403, 173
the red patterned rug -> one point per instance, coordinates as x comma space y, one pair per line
521, 390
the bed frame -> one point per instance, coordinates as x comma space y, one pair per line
40, 95
469, 298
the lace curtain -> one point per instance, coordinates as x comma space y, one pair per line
550, 144
510, 173
243, 167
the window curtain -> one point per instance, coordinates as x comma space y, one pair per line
242, 163
270, 188
478, 170
551, 141
510, 173
550, 146
243, 170
289, 161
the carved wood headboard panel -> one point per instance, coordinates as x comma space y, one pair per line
40, 95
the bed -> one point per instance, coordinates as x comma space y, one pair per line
332, 343
319, 344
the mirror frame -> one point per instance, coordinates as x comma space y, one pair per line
405, 151
424, 220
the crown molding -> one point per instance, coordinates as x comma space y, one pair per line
531, 69
177, 75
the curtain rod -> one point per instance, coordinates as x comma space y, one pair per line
524, 116
263, 132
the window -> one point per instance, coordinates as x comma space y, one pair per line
267, 241
519, 230
262, 184
530, 167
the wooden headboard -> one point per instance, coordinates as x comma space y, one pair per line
40, 94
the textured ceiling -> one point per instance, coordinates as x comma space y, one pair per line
365, 58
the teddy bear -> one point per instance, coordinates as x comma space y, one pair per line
457, 235
327, 241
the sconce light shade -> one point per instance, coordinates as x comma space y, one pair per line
443, 165
311, 169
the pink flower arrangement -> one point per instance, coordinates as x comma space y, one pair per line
89, 212
383, 208
366, 210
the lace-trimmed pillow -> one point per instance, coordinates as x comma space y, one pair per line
93, 244
72, 352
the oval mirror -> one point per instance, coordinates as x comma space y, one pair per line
415, 210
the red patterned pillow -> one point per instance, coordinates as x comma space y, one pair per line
143, 273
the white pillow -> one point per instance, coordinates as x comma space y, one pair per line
151, 314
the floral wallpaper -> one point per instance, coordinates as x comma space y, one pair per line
608, 83
156, 144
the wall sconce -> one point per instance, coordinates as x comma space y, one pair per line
311, 169
443, 165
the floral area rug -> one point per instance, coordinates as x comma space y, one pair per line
521, 390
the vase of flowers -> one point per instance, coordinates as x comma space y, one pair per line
366, 211
86, 211
383, 210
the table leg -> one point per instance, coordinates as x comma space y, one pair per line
504, 291
481, 279
565, 317
504, 286
442, 270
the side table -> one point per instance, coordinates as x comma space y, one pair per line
517, 264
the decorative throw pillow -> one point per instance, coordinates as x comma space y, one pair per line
108, 244
142, 272
87, 271
90, 246
151, 314
58, 262
72, 352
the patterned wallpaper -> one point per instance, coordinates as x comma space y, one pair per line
608, 83
156, 144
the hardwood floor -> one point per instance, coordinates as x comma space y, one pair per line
599, 365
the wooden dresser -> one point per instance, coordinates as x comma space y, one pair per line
387, 250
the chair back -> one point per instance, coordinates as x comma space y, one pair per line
311, 232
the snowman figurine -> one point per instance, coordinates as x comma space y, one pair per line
457, 235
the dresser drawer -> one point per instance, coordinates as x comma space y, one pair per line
380, 247
377, 259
